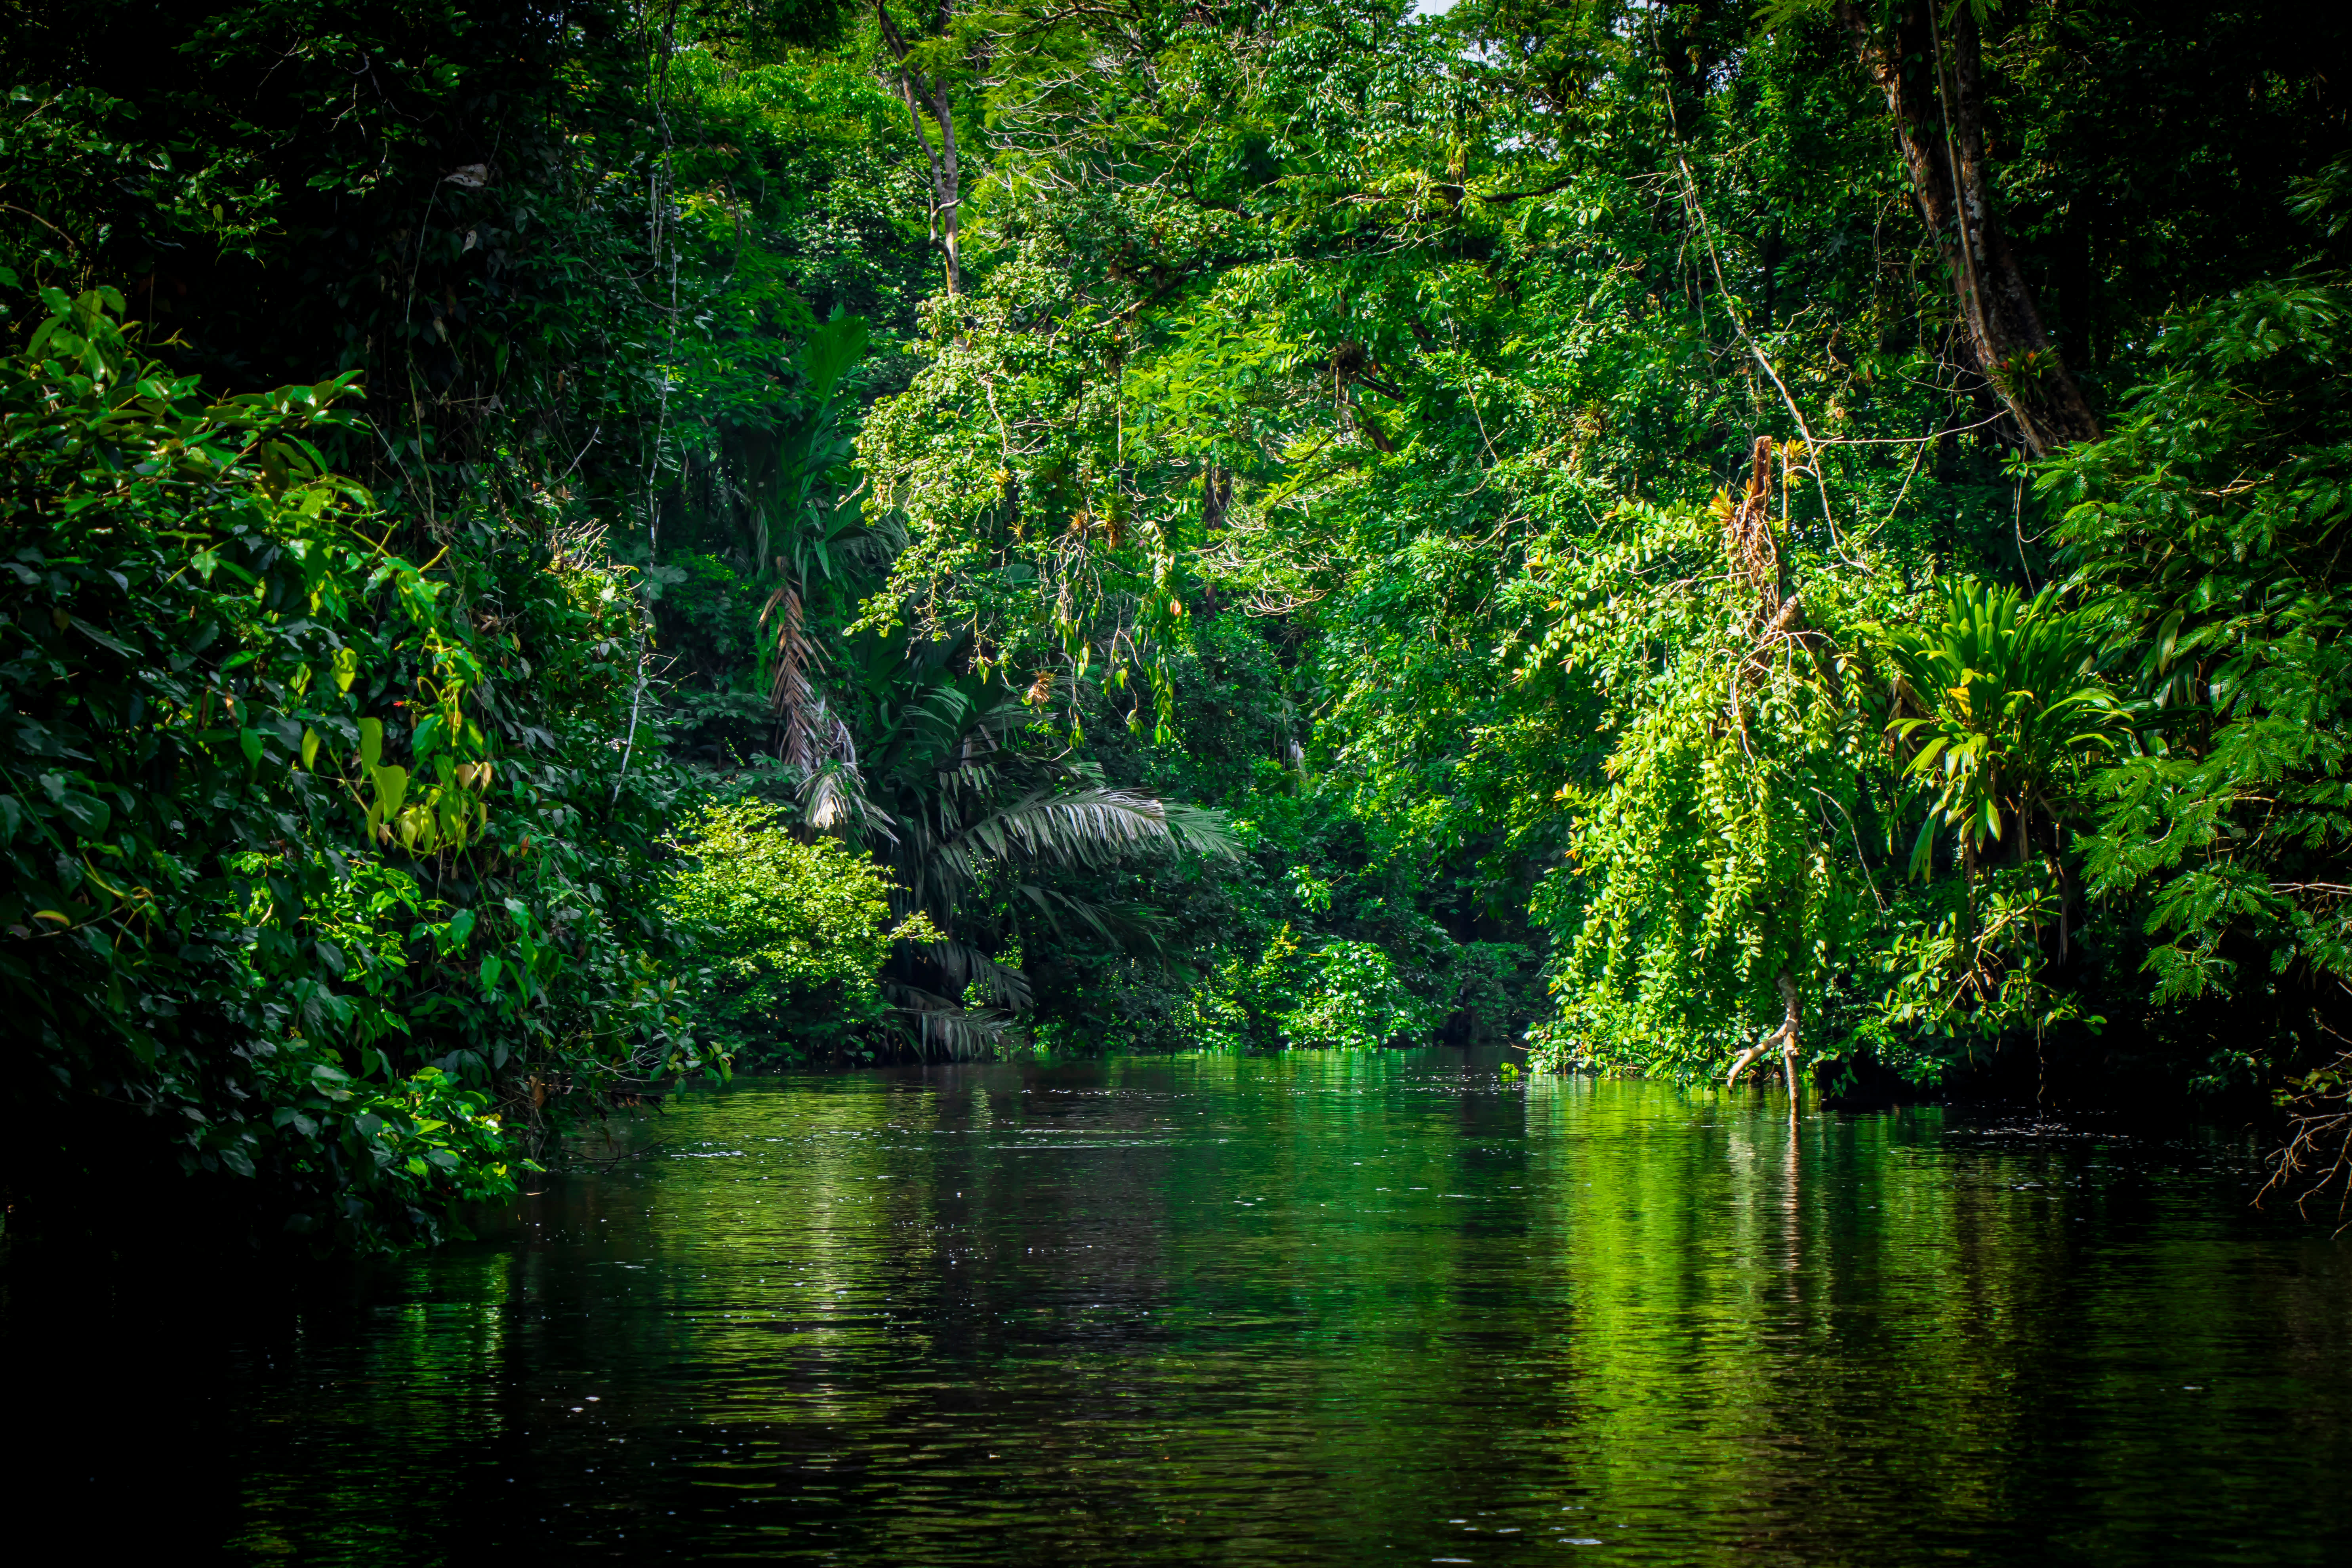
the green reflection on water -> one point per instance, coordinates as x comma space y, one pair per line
1330, 1308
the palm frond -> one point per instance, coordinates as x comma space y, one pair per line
962, 965
833, 800
1205, 830
1092, 828
932, 1022
1137, 928
813, 735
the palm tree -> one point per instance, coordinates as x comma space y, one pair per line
936, 790
763, 484
954, 809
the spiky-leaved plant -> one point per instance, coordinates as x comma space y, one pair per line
2000, 695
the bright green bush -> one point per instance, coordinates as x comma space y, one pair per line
1720, 845
1346, 995
795, 934
1236, 1006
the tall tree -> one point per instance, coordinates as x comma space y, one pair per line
1932, 76
927, 93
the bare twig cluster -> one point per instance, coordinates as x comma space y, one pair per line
1752, 547
2316, 1158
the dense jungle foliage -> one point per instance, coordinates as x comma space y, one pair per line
554, 548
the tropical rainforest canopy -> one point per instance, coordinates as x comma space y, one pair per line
552, 547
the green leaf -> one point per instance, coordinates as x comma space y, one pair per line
87, 812
391, 788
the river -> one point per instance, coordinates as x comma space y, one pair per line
1342, 1308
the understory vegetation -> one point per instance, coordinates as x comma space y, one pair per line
551, 549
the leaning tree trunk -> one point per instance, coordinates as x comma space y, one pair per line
1785, 1037
1788, 1034
1932, 77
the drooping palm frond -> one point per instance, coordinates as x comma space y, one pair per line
813, 735
1205, 830
968, 808
1090, 827
1138, 928
833, 800
962, 966
933, 1023
790, 695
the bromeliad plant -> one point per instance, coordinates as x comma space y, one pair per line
2000, 695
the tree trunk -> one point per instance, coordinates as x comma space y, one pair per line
1932, 79
1788, 1034
1217, 496
931, 96
1785, 1037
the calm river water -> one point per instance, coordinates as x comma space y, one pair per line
1308, 1308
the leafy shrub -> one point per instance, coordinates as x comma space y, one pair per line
1349, 997
1237, 1005
1962, 964
1340, 994
317, 867
796, 933
2215, 516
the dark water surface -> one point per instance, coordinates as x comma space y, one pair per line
1310, 1309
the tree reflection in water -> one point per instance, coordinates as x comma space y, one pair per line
1312, 1307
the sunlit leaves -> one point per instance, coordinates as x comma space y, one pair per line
215, 880
2215, 514
1999, 697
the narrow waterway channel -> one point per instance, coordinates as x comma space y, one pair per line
1309, 1309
